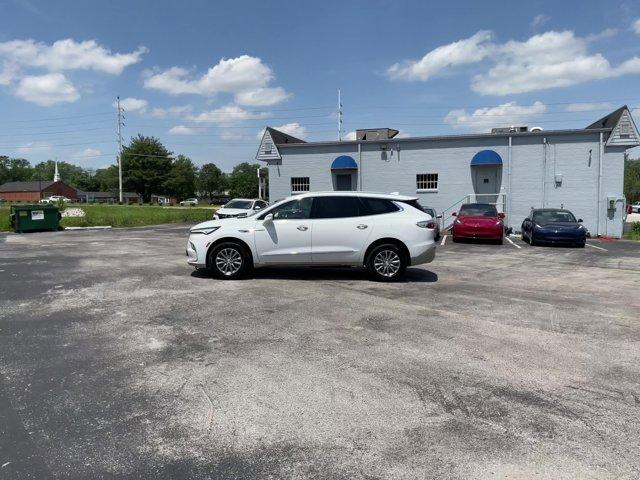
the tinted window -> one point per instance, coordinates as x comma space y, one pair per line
557, 216
414, 204
336, 207
244, 204
295, 209
376, 206
479, 210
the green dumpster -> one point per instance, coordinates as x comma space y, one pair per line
29, 218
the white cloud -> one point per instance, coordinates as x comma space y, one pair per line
294, 129
587, 107
548, 60
539, 20
47, 90
483, 119
88, 153
260, 97
33, 147
245, 76
19, 59
176, 111
227, 115
469, 50
231, 135
68, 54
349, 135
131, 104
182, 130
636, 26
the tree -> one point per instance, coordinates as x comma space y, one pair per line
181, 180
632, 180
211, 180
243, 181
146, 166
14, 169
107, 179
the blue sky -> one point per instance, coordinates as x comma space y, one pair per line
205, 77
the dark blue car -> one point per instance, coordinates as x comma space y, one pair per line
553, 226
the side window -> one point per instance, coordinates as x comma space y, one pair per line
377, 206
336, 207
295, 209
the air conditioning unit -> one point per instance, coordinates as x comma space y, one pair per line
511, 129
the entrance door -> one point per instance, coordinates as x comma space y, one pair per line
486, 183
343, 182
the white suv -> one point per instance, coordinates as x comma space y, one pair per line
385, 233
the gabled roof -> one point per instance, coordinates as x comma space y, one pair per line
280, 137
33, 186
608, 121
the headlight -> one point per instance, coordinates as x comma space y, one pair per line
204, 230
216, 217
458, 222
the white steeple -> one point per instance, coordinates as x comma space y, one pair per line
56, 175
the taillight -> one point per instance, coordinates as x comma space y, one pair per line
426, 224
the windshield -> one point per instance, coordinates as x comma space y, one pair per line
479, 210
242, 204
553, 216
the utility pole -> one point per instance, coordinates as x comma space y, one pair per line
120, 125
339, 117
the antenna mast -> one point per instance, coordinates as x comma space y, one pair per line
339, 117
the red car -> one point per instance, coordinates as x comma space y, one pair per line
478, 220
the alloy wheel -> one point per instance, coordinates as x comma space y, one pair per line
387, 263
228, 261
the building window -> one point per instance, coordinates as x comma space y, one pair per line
299, 184
427, 182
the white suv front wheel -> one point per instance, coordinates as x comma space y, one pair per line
228, 261
386, 263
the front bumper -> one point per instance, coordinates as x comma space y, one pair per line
193, 258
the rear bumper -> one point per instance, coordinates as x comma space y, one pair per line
425, 256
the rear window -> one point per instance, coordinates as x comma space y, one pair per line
479, 210
376, 206
414, 204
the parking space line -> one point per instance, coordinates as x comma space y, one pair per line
512, 242
599, 248
444, 239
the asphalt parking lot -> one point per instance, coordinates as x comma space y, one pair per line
117, 360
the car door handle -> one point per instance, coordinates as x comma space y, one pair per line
303, 228
362, 226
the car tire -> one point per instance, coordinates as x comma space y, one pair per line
500, 241
582, 244
455, 239
386, 263
229, 261
532, 240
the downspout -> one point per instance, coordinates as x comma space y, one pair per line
509, 183
544, 171
600, 155
360, 166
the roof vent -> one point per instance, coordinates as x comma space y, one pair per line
376, 134
510, 129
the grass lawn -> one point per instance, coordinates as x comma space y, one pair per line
634, 234
125, 216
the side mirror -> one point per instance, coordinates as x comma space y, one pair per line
268, 219
501, 215
579, 220
454, 214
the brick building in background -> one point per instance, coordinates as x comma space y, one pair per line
34, 191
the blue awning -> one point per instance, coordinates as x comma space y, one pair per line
344, 162
486, 157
